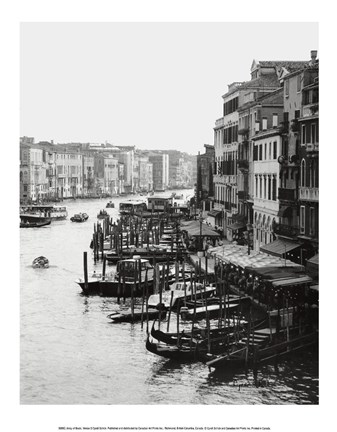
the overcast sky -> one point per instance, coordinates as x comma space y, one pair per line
152, 85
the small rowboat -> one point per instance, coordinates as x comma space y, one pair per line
126, 316
40, 262
29, 224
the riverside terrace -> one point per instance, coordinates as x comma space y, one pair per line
268, 280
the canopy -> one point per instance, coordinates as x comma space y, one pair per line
214, 213
279, 247
236, 226
194, 229
276, 272
292, 281
238, 256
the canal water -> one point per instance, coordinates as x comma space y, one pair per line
70, 353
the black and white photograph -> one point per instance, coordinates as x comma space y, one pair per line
168, 189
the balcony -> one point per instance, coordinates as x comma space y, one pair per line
309, 194
286, 230
287, 194
243, 164
310, 110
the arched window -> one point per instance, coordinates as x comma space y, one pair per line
303, 173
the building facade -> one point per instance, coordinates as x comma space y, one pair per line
160, 169
267, 149
204, 185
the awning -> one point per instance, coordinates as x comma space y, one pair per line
279, 247
214, 213
292, 281
236, 226
284, 210
194, 229
272, 272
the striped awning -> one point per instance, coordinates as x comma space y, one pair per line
279, 247
236, 226
194, 229
214, 213
292, 281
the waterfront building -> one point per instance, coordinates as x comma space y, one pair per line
160, 169
34, 185
242, 115
267, 149
51, 157
69, 168
226, 142
225, 145
88, 188
121, 177
181, 169
125, 155
145, 174
294, 211
308, 123
106, 174
204, 184
111, 180
259, 113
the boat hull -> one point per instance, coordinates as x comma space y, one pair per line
136, 316
33, 224
114, 289
181, 354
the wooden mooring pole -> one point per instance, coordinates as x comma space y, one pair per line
85, 267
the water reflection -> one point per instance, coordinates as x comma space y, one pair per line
59, 322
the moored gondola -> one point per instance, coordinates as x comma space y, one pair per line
32, 224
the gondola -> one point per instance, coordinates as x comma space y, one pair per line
127, 316
124, 282
199, 333
180, 353
79, 217
29, 224
40, 262
181, 291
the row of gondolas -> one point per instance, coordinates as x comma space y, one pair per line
220, 331
211, 322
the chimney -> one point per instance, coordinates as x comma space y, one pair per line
313, 54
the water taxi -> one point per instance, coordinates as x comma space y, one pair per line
40, 213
